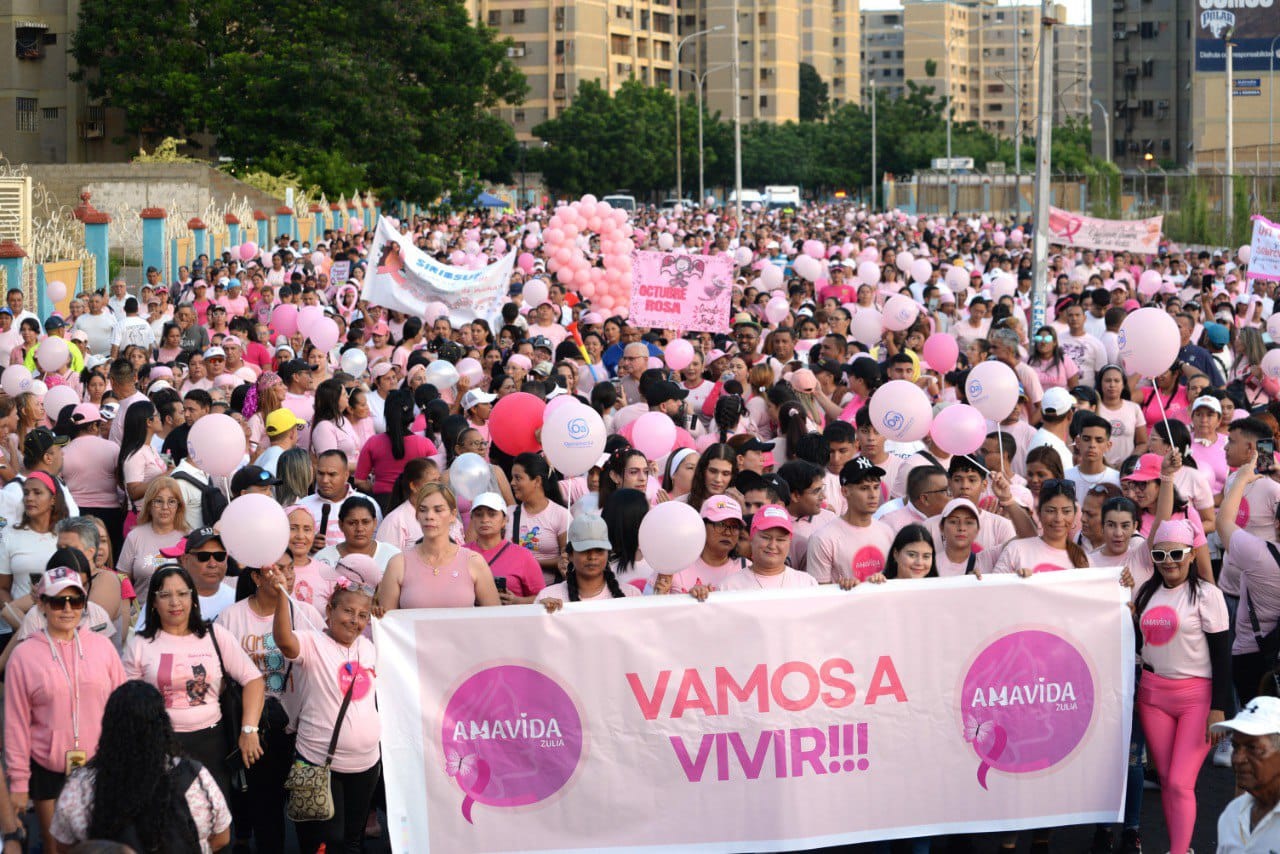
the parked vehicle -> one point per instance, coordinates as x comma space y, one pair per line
783, 196
626, 203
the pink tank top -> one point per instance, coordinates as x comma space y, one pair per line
448, 586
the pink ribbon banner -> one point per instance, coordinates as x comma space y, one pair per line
759, 721
691, 293
1264, 250
1118, 235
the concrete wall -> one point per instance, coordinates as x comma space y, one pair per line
141, 185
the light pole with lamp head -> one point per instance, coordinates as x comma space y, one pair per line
676, 79
701, 80
1271, 111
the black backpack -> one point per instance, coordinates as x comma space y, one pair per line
212, 501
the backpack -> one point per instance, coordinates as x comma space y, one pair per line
212, 501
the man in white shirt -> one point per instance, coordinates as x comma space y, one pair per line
99, 324
332, 489
134, 329
1250, 824
1055, 412
14, 302
120, 293
1084, 349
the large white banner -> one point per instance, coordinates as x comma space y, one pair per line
408, 280
1141, 236
1264, 250
759, 720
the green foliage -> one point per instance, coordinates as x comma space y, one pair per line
165, 152
393, 94
814, 100
931, 67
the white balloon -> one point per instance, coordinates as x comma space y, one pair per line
442, 374
469, 476
355, 362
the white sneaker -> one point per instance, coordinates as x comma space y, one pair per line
1222, 754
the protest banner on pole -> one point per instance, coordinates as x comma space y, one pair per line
691, 293
1264, 250
759, 720
1119, 235
411, 280
340, 272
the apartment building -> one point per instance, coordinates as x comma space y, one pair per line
882, 53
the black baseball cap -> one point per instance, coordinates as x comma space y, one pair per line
38, 442
250, 476
292, 368
754, 444
662, 391
859, 469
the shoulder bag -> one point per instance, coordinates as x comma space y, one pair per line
310, 796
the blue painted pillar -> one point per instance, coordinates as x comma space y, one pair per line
234, 229
153, 238
11, 258
264, 237
317, 214
96, 241
284, 222
200, 235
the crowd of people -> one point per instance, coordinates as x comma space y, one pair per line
159, 694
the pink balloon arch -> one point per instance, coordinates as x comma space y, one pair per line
608, 287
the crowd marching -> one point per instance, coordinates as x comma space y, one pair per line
162, 694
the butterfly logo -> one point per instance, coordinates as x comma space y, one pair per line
462, 768
979, 733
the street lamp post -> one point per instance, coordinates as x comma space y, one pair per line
676, 78
1147, 160
1106, 126
737, 121
702, 79
1228, 196
1044, 149
874, 171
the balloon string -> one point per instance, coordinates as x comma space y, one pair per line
1000, 444
1163, 416
299, 610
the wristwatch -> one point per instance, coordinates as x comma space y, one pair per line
248, 730
19, 836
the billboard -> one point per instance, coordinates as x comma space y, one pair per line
1255, 25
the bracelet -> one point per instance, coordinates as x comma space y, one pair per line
9, 609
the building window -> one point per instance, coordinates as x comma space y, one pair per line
1148, 108
50, 113
619, 44
517, 16
518, 117
495, 18
661, 22
560, 80
559, 47
29, 42
764, 102
27, 120
1149, 30
559, 17
996, 108
762, 19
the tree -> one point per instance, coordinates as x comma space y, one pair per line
930, 67
396, 94
814, 102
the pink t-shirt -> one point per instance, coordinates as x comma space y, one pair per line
701, 572
328, 669
983, 560
257, 639
140, 555
1137, 560
1260, 582
1193, 485
993, 531
1034, 554
561, 591
1175, 408
840, 550
377, 459
1051, 375
1124, 425
141, 466
1257, 516
185, 669
312, 585
805, 527
789, 578
400, 527
516, 565
540, 532
328, 436
1174, 628
89, 471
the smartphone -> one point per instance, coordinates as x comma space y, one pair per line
501, 582
1266, 456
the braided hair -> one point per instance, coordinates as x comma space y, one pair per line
571, 581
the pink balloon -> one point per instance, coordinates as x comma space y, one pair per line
958, 277
921, 270
535, 293
869, 272
655, 363
959, 429
771, 276
59, 396
1149, 283
653, 434
525, 262
309, 316
671, 536
866, 327
1149, 342
248, 250
284, 319
900, 311
1273, 327
777, 310
472, 370
665, 242
807, 267
1000, 238
216, 444
900, 411
679, 354
324, 334
904, 261
254, 528
1244, 253
56, 291
1003, 285
514, 423
317, 259
813, 248
52, 354
992, 389
941, 352
530, 241
1270, 365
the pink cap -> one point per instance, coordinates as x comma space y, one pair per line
592, 319
86, 413
520, 361
772, 516
804, 380
359, 569
713, 355
1175, 531
1132, 305
1148, 469
58, 579
720, 508
176, 550
381, 370
161, 372
380, 328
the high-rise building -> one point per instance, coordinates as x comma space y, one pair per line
45, 117
557, 45
982, 55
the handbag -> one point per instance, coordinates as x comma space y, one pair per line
310, 796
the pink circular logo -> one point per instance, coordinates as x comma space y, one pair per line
511, 737
1242, 518
1026, 703
353, 671
867, 562
1159, 625
1047, 567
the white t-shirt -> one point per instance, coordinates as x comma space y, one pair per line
1085, 481
1044, 437
23, 555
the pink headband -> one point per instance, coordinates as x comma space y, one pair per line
1175, 531
520, 361
45, 479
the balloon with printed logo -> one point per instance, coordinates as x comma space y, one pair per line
354, 362
867, 326
941, 352
15, 380
514, 423
217, 445
900, 311
573, 437
56, 290
959, 429
1273, 327
254, 528
900, 411
1149, 342
672, 536
52, 354
992, 389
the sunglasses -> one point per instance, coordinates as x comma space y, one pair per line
1043, 339
1170, 556
61, 603
1056, 486
205, 557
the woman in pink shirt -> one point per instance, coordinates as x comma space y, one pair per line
359, 414
1186, 689
588, 577
331, 428
188, 659
1054, 549
312, 579
89, 468
437, 572
384, 456
1172, 393
56, 688
161, 525
1052, 366
139, 463
336, 667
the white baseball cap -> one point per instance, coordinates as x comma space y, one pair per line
477, 396
492, 500
1057, 401
1260, 717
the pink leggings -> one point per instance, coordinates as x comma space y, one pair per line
1174, 714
